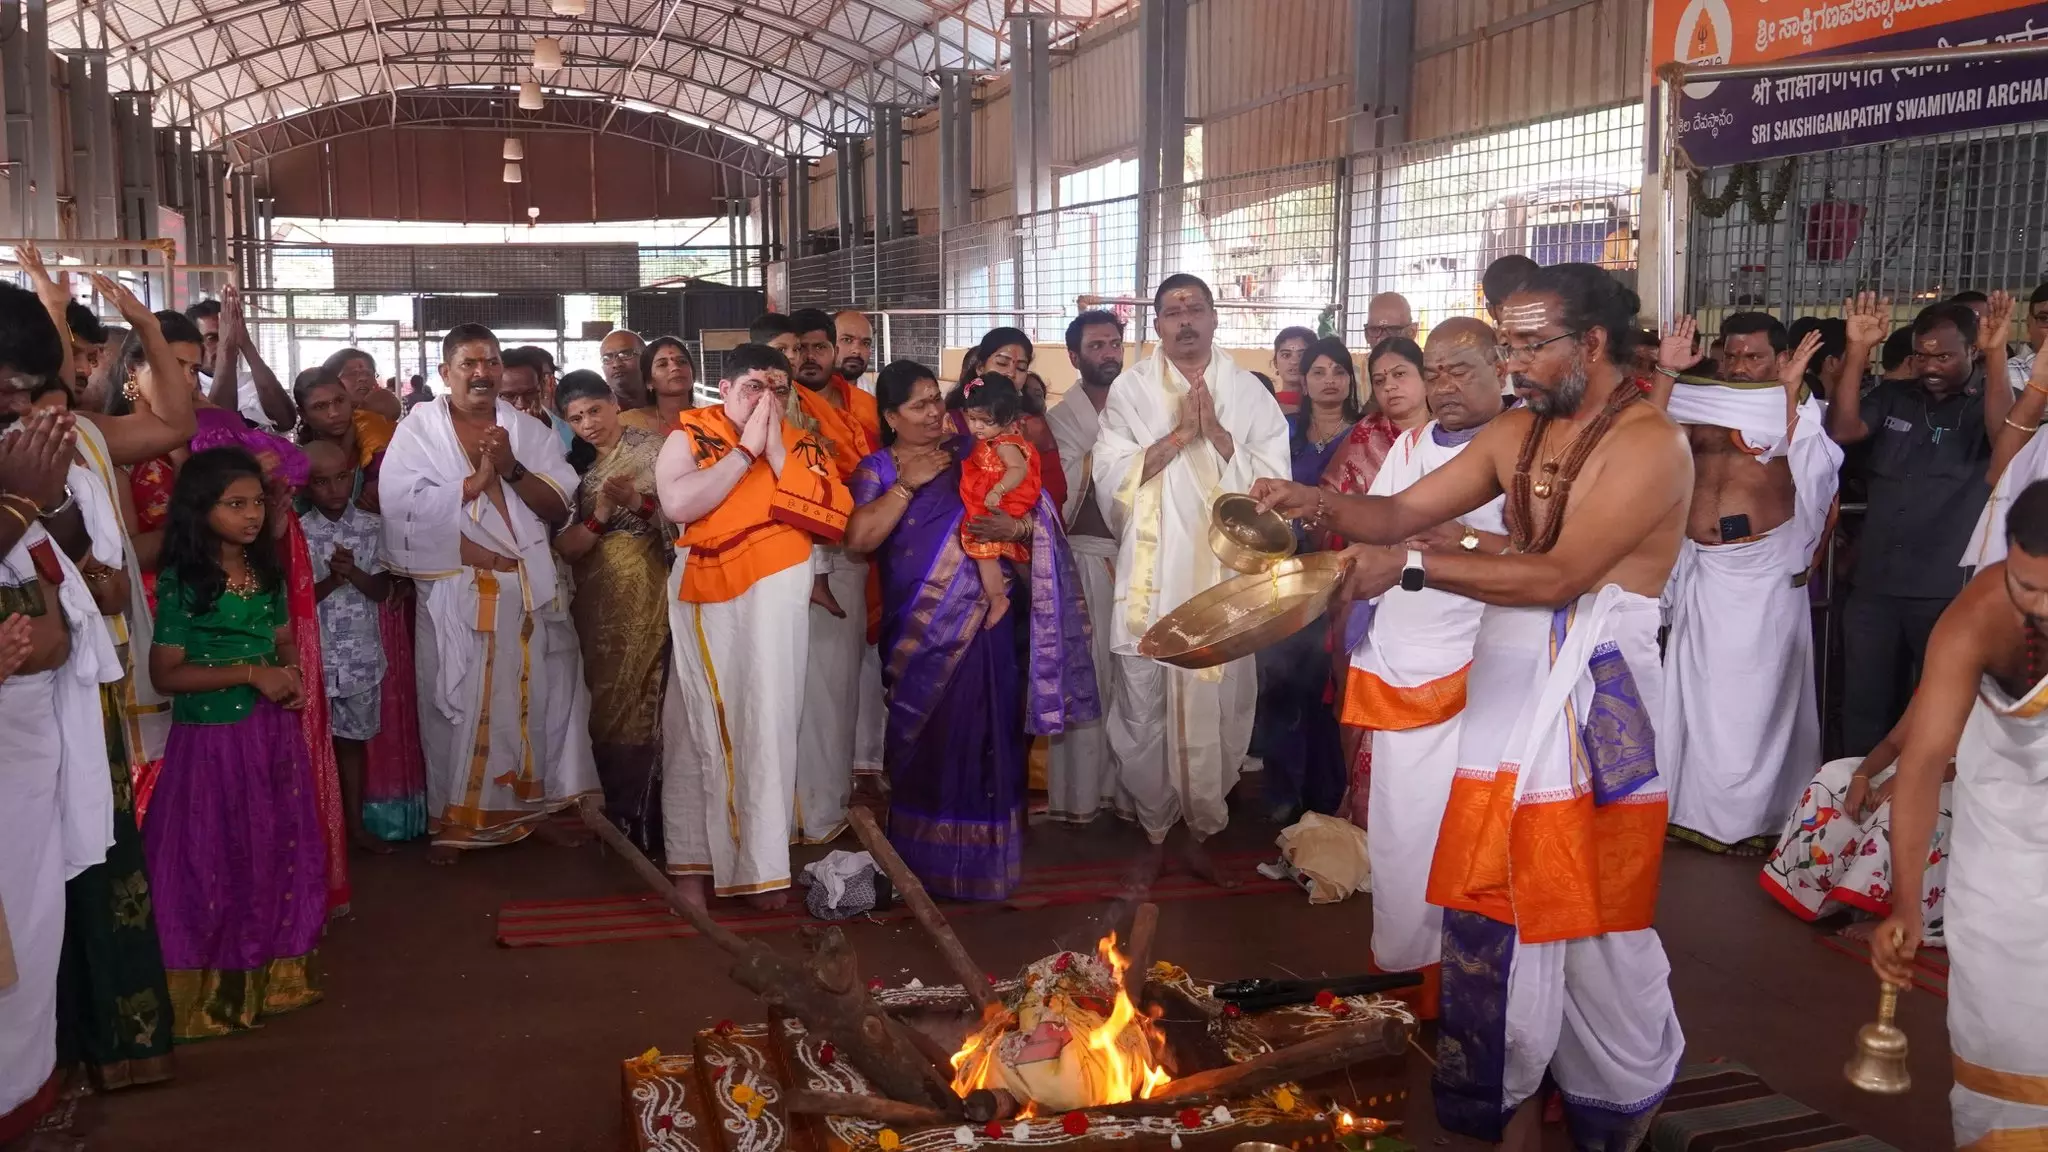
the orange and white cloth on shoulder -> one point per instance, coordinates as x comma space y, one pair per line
766, 523
849, 423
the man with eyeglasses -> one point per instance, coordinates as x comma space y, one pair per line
1558, 751
755, 494
1387, 315
620, 356
1929, 460
1740, 733
1180, 426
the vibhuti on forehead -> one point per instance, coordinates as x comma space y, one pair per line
1534, 312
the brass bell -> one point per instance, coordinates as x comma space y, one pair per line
1879, 1064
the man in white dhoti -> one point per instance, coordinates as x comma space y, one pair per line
1740, 731
1406, 685
755, 493
1550, 964
1983, 696
472, 490
1081, 770
56, 799
1181, 428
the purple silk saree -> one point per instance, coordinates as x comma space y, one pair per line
959, 720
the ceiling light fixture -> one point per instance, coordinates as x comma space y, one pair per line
512, 173
530, 98
513, 150
547, 54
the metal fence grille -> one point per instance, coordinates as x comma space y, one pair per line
1917, 220
1427, 218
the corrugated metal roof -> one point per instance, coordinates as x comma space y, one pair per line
783, 74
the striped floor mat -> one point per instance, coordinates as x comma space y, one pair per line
609, 919
1930, 965
1728, 1108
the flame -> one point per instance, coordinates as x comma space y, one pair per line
1128, 1080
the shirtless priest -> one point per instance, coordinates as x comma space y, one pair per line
1982, 698
1540, 976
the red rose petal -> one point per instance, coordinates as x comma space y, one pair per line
1074, 1123
827, 1053
1190, 1118
1325, 998
993, 1130
1232, 1011
723, 1027
1340, 1009
874, 983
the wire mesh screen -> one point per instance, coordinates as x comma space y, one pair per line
1915, 219
1428, 218
1264, 238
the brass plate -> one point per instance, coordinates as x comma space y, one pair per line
1242, 615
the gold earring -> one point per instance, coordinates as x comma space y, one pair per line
131, 390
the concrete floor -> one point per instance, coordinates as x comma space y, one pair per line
432, 1037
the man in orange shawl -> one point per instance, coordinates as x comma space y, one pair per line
835, 681
756, 494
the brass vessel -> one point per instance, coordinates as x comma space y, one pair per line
1879, 1064
1246, 539
1242, 615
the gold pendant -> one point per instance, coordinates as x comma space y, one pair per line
1542, 489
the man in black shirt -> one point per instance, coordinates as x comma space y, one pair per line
1929, 449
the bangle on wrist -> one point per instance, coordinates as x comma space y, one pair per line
2011, 423
2033, 387
742, 450
593, 525
647, 508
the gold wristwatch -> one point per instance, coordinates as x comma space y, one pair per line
1469, 542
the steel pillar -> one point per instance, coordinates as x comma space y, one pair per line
1162, 144
1031, 113
95, 196
850, 183
136, 141
956, 147
796, 199
1382, 73
888, 167
31, 156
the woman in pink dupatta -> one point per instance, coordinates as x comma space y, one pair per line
1395, 367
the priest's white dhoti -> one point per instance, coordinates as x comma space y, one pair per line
1081, 770
498, 688
1179, 737
1997, 925
56, 811
832, 699
729, 786
1547, 868
1739, 735
1407, 687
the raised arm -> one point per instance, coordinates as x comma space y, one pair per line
236, 344
1991, 336
1868, 318
1940, 708
2011, 435
1677, 353
166, 421
55, 295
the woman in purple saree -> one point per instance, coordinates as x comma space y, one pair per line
959, 720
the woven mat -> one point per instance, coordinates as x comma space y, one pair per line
609, 919
1725, 1107
1930, 965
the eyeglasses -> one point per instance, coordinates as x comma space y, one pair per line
1509, 353
619, 357
1378, 332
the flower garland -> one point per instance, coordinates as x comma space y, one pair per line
1745, 183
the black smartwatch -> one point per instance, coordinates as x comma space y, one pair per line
1412, 577
517, 473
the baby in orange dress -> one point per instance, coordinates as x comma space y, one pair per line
1001, 474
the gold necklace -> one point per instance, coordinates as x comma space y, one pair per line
246, 584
